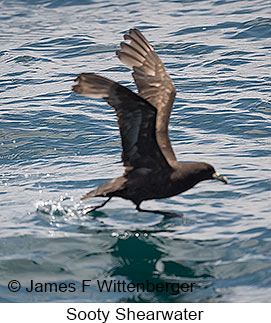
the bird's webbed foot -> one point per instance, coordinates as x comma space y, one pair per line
164, 213
90, 209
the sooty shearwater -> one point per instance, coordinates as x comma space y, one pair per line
151, 168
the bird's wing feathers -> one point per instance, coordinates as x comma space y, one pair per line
152, 80
136, 119
153, 83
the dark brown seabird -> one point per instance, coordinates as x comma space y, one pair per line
151, 168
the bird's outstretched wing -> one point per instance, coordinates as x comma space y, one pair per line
136, 119
153, 83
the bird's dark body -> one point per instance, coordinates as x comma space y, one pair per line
144, 184
151, 168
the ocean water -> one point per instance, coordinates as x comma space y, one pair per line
55, 146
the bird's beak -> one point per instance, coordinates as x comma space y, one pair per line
220, 178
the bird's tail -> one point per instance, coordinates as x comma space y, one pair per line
92, 85
90, 194
108, 189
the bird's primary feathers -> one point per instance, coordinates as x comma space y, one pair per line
151, 168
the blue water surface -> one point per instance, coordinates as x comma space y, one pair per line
55, 146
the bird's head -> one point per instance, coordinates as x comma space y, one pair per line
206, 171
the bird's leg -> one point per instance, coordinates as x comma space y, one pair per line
90, 209
166, 214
